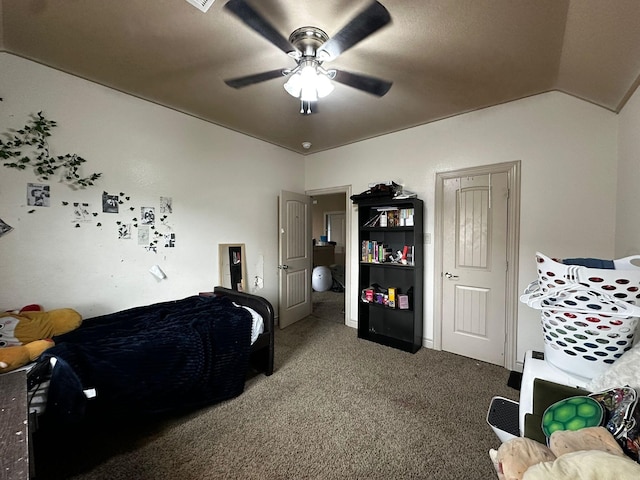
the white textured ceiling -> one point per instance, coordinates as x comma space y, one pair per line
445, 57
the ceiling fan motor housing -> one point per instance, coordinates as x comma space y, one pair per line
307, 40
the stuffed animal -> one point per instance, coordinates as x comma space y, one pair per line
24, 335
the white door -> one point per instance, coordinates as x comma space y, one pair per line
295, 257
475, 266
336, 232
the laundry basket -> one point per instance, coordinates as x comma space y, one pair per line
589, 315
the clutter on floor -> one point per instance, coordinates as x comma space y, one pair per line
578, 410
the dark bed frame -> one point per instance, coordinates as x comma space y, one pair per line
263, 348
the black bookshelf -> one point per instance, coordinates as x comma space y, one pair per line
391, 256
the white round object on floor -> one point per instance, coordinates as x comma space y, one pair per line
321, 279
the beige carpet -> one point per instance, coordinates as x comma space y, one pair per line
337, 407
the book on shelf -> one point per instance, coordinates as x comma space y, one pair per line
391, 217
391, 303
406, 217
375, 252
403, 301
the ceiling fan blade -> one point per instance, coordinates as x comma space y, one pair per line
372, 18
372, 85
240, 82
246, 13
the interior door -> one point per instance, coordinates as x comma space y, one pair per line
336, 232
295, 257
475, 266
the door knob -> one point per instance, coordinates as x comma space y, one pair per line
451, 276
283, 267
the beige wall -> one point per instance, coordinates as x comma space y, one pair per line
627, 213
224, 187
322, 204
568, 153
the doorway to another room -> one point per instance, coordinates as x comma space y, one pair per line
329, 233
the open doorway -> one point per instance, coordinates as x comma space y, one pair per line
329, 219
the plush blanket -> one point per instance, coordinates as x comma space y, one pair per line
585, 465
151, 359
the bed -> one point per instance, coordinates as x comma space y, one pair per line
149, 360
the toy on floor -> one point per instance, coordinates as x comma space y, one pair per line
24, 335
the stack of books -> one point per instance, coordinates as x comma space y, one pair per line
373, 251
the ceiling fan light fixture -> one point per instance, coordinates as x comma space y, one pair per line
308, 93
309, 83
323, 86
293, 86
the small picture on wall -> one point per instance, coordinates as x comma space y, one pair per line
166, 205
148, 215
109, 203
81, 213
4, 228
124, 231
170, 240
38, 195
143, 235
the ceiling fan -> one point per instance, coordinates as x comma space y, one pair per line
310, 47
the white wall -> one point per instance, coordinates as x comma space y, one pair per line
568, 153
224, 187
627, 215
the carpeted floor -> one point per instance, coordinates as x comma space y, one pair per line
337, 407
328, 305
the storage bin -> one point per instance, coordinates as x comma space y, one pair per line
589, 315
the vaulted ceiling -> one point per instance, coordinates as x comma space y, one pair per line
444, 57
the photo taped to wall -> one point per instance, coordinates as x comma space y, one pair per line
4, 228
109, 203
38, 195
170, 240
81, 213
148, 215
124, 231
166, 205
143, 235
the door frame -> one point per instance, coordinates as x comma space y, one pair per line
513, 240
346, 189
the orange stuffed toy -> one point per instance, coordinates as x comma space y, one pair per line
24, 335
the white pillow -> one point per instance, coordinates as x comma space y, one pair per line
585, 465
624, 371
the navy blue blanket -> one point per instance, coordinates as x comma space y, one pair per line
151, 359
